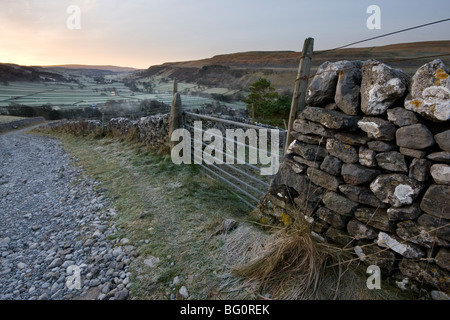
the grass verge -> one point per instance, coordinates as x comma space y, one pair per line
168, 212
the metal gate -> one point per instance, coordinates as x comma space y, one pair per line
242, 178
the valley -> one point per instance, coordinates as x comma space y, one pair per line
225, 78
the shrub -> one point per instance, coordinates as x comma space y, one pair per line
266, 105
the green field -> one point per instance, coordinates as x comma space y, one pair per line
69, 95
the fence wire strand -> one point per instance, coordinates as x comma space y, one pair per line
383, 35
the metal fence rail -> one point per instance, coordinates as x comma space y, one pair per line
244, 180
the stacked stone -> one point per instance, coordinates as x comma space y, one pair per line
369, 166
152, 130
122, 126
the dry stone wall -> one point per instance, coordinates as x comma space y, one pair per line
154, 130
370, 167
151, 130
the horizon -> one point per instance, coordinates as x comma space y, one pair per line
203, 58
140, 34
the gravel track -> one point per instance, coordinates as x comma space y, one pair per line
56, 227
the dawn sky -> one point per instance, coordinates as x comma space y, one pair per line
141, 33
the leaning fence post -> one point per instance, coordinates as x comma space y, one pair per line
176, 117
301, 84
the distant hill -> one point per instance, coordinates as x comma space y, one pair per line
92, 67
14, 72
240, 70
76, 70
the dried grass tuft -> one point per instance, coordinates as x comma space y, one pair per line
290, 264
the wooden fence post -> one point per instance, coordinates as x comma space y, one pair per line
301, 84
175, 85
103, 124
253, 113
176, 117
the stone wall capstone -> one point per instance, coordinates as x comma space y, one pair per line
370, 167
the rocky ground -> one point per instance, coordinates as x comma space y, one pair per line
56, 232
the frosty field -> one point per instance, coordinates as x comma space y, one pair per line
67, 95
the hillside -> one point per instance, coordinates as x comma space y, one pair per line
93, 71
14, 72
239, 70
91, 67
